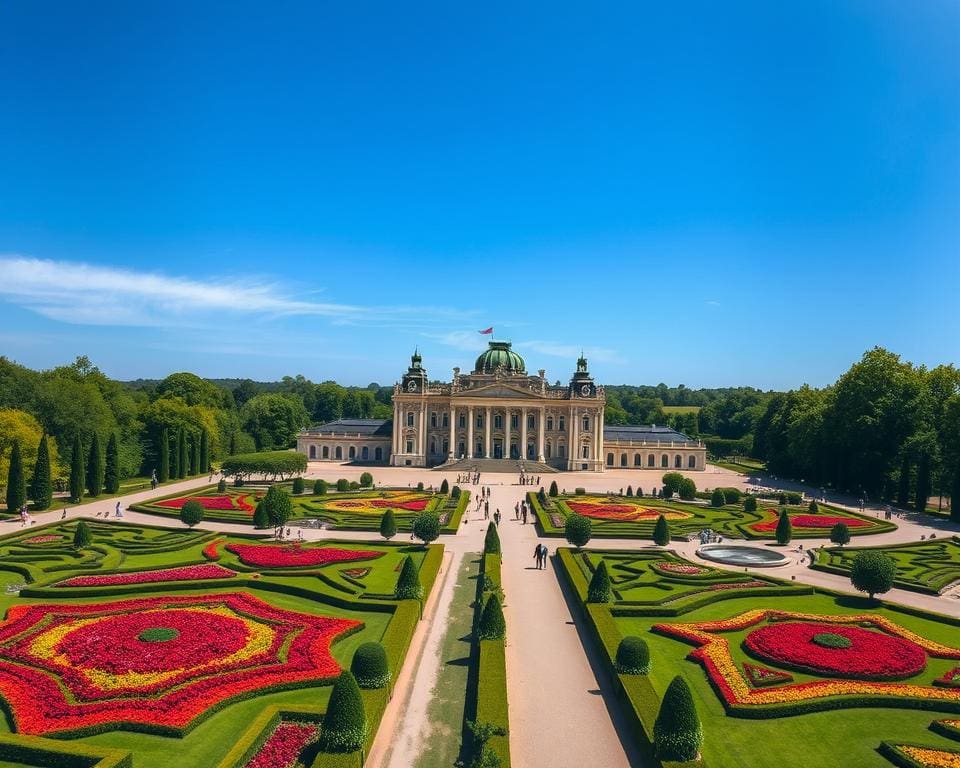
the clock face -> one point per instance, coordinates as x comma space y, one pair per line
412, 386
585, 390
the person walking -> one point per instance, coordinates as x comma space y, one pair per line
516, 511
536, 555
116, 511
486, 510
496, 518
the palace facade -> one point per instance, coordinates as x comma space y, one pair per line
499, 411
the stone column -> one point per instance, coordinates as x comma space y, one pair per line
599, 430
506, 432
523, 433
541, 427
453, 432
423, 432
487, 418
574, 450
470, 432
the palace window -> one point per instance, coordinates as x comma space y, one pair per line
353, 452
664, 461
560, 424
691, 462
479, 450
562, 451
678, 461
586, 451
433, 446
461, 449
586, 423
549, 423
463, 421
409, 418
531, 422
409, 446
479, 419
446, 419
498, 422
433, 419
609, 459
446, 446
651, 461
365, 453
549, 449
378, 454
637, 460
325, 453
338, 453
514, 421
623, 459
313, 451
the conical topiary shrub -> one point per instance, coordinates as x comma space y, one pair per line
677, 733
633, 656
370, 667
408, 583
600, 590
491, 542
553, 488
388, 525
784, 528
345, 723
444, 486
661, 532
492, 624
260, 517
16, 480
81, 535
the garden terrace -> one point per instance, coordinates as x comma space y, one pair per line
350, 510
923, 566
149, 640
634, 517
812, 672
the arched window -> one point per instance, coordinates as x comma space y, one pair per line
313, 451
462, 420
586, 451
338, 452
549, 449
498, 422
365, 453
678, 461
352, 453
461, 448
409, 446
409, 418
586, 423
637, 460
623, 459
326, 452
433, 419
609, 459
651, 461
433, 445
446, 447
549, 423
378, 454
479, 449
691, 462
664, 461
562, 451
479, 419
560, 423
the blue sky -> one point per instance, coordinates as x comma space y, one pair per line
699, 193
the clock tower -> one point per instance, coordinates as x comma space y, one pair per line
415, 379
581, 385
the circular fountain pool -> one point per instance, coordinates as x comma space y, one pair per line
733, 554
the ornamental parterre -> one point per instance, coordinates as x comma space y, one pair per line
713, 652
808, 521
154, 664
396, 500
284, 745
295, 556
681, 569
223, 502
186, 573
44, 538
592, 506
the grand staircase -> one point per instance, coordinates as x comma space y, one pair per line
506, 466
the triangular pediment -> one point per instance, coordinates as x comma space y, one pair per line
499, 391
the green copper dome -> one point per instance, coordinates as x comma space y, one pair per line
499, 355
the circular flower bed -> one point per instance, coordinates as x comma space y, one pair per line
836, 650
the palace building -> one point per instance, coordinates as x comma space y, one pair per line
500, 412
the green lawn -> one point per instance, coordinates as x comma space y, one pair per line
742, 466
924, 566
675, 409
321, 590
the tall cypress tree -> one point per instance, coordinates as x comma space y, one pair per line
174, 456
41, 486
164, 473
77, 472
204, 451
16, 482
183, 460
194, 454
95, 467
111, 476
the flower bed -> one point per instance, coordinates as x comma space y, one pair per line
920, 757
713, 651
284, 746
186, 573
212, 550
949, 679
808, 521
763, 676
681, 569
155, 662
834, 650
44, 538
295, 556
405, 501
356, 573
221, 502
601, 509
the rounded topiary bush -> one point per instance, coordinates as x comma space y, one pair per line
191, 513
814, 507
661, 532
873, 572
81, 535
677, 733
343, 484
687, 490
455, 492
731, 495
600, 590
840, 534
345, 723
408, 582
354, 486
298, 485
492, 624
261, 518
388, 525
717, 499
491, 542
222, 485
320, 487
366, 480
370, 666
578, 530
784, 530
750, 504
426, 527
633, 656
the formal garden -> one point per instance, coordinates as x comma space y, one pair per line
335, 506
762, 661
930, 566
123, 644
726, 512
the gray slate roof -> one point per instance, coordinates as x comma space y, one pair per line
651, 434
366, 427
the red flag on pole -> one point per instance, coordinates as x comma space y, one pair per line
486, 331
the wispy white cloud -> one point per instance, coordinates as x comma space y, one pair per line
468, 341
712, 303
87, 294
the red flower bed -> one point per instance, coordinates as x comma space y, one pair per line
763, 676
156, 661
681, 569
212, 551
222, 502
284, 745
291, 556
806, 646
187, 573
44, 538
810, 521
950, 679
417, 505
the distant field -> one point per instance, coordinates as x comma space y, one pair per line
671, 409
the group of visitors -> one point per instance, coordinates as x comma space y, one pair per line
707, 536
520, 511
468, 478
25, 518
540, 554
526, 479
117, 512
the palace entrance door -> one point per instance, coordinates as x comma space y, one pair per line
498, 449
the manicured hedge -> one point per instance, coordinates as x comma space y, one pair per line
52, 753
260, 729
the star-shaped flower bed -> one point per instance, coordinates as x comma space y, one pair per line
860, 657
154, 664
